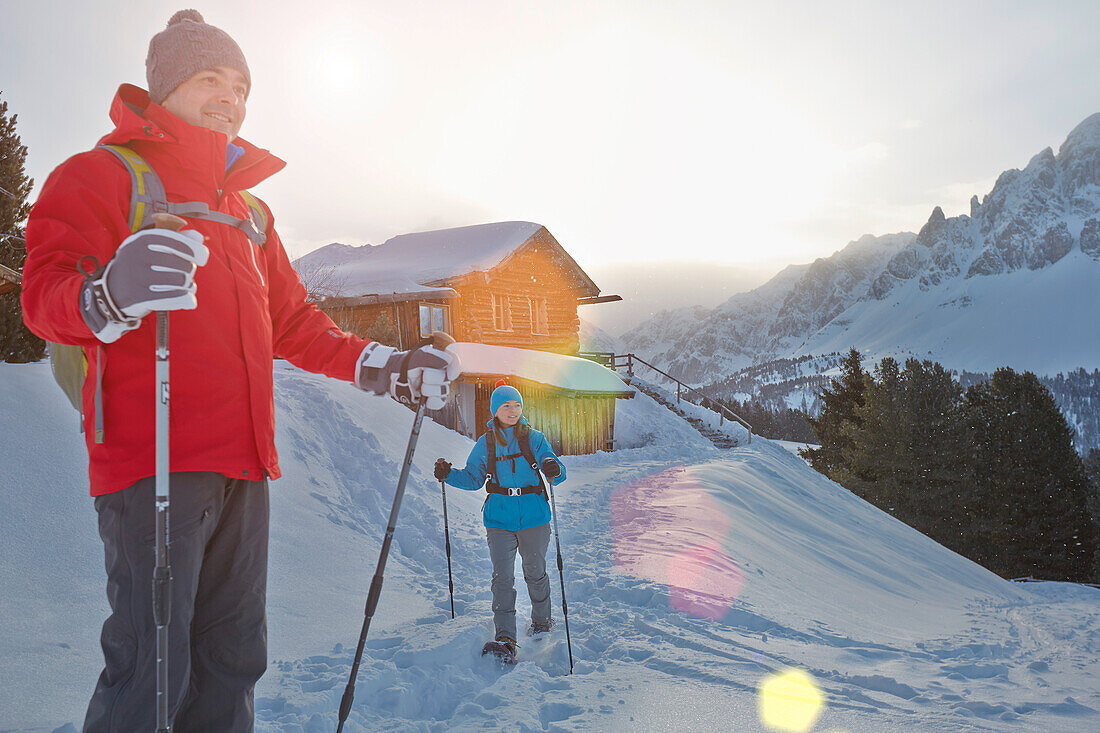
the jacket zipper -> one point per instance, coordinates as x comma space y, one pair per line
252, 251
250, 245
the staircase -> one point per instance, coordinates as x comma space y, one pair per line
718, 437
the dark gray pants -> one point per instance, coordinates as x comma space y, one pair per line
532, 544
217, 635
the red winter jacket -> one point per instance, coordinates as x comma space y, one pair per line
251, 305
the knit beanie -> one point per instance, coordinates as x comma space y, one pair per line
502, 394
187, 46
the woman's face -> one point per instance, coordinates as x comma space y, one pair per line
509, 413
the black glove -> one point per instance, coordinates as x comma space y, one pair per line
550, 468
442, 469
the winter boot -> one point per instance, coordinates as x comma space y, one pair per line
504, 649
540, 627
508, 643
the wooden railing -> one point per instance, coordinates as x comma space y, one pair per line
614, 361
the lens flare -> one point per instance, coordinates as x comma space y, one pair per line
668, 528
790, 701
703, 581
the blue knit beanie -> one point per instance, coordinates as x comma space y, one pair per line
502, 394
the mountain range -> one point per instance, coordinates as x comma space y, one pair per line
1012, 283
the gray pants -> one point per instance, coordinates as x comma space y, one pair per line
217, 634
532, 544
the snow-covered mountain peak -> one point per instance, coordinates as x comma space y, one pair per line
882, 294
770, 319
1079, 159
1084, 137
1031, 219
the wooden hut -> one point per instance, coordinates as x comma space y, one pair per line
571, 400
509, 285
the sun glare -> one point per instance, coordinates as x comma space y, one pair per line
790, 701
636, 124
345, 75
337, 69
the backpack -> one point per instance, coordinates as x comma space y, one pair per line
523, 437
68, 361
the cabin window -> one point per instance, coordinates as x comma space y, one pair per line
540, 323
502, 313
433, 317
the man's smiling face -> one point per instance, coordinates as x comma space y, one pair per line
213, 98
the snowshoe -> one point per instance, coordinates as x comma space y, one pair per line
538, 629
503, 649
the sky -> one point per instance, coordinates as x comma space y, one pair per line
738, 133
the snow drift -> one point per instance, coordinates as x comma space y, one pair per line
693, 575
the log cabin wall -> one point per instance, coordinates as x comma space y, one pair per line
574, 425
533, 274
393, 324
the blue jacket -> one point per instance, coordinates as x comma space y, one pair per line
508, 512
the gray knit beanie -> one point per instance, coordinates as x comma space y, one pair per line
187, 46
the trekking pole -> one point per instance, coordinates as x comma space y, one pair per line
162, 574
447, 537
561, 577
441, 341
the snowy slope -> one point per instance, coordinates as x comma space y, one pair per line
693, 576
1043, 321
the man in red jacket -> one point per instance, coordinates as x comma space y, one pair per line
236, 305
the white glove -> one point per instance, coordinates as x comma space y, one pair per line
153, 269
428, 373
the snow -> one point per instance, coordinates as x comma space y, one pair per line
979, 324
555, 370
400, 286
422, 257
699, 582
795, 448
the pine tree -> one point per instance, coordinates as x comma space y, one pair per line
833, 425
17, 343
1092, 470
933, 411
1027, 511
875, 465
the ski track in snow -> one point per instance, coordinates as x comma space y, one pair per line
691, 575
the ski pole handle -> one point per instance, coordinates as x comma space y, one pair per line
439, 340
169, 221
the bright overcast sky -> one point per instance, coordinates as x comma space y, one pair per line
733, 132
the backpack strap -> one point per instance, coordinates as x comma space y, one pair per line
491, 453
258, 214
523, 436
147, 197
146, 191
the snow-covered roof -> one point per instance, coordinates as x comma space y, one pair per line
569, 373
429, 256
392, 290
424, 257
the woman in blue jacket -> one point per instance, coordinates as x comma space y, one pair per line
516, 510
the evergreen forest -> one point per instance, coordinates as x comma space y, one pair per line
989, 472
